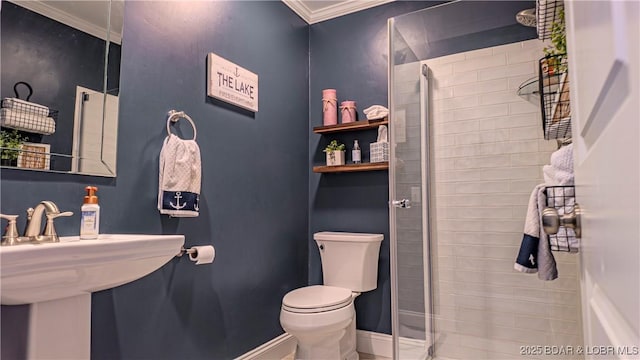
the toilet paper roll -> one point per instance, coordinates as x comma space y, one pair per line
202, 254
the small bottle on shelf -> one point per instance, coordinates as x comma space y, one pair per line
355, 153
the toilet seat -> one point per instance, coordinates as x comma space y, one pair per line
316, 299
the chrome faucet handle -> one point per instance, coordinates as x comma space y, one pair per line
50, 234
11, 236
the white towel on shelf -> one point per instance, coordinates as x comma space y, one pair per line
376, 112
25, 106
179, 178
556, 177
535, 253
560, 173
27, 121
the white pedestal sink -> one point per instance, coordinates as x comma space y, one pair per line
57, 279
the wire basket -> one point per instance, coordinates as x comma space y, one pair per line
554, 97
27, 116
547, 11
563, 199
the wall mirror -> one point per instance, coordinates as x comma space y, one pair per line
60, 65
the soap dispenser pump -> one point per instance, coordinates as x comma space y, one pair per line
355, 153
90, 219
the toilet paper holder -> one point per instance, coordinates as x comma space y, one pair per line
203, 254
187, 251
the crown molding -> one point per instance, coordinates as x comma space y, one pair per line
333, 11
68, 19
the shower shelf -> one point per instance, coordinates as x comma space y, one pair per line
351, 167
353, 126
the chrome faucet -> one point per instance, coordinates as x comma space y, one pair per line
34, 225
34, 217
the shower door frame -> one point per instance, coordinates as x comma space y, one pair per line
425, 193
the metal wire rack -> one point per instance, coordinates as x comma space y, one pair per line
563, 199
547, 11
554, 96
30, 117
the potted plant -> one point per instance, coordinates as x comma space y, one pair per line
555, 54
335, 153
10, 144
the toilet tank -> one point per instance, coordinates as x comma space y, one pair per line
349, 260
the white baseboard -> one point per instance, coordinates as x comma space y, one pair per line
374, 343
368, 342
379, 344
277, 348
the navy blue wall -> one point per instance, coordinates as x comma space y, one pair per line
254, 197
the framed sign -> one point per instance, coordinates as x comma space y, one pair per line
34, 156
231, 83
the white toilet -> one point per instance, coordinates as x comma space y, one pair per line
322, 317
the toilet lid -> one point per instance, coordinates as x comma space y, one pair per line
316, 298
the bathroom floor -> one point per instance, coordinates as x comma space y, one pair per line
363, 356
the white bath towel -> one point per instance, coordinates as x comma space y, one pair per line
555, 177
179, 177
30, 122
25, 106
376, 112
535, 253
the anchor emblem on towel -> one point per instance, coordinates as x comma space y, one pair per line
532, 260
196, 206
177, 206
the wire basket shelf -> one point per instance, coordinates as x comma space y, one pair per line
563, 199
555, 97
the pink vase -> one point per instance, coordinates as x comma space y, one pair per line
348, 111
329, 107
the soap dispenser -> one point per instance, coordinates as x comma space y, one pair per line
355, 153
90, 219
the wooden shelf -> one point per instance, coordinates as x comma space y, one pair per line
356, 125
352, 167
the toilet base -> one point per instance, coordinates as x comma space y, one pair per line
341, 346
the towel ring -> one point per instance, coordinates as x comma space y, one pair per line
174, 116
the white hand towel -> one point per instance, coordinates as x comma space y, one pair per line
29, 122
376, 112
179, 177
535, 254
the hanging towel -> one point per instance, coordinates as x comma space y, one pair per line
376, 112
179, 177
535, 254
30, 122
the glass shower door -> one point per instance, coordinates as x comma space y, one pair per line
409, 228
466, 153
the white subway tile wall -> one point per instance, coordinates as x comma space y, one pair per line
488, 155
487, 152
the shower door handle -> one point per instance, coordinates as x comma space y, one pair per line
403, 204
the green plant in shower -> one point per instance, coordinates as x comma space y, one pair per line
557, 52
332, 147
10, 142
